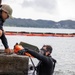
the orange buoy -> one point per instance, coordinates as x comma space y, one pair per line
18, 47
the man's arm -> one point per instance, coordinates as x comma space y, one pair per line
0, 2
37, 55
4, 41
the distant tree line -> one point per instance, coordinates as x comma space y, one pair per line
18, 22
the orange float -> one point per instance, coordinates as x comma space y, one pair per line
18, 47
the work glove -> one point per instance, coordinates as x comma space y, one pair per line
22, 52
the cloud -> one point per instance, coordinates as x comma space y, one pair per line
12, 1
41, 5
4, 0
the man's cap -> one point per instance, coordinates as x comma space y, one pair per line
7, 9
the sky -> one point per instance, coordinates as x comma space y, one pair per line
55, 10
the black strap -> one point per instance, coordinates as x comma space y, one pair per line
33, 66
54, 61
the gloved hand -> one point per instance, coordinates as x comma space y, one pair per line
22, 52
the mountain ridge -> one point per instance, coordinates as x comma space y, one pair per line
18, 22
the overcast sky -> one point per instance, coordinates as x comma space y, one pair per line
55, 10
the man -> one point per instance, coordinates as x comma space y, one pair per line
46, 62
5, 13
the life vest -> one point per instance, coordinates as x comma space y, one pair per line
18, 47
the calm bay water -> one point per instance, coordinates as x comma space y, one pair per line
63, 50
